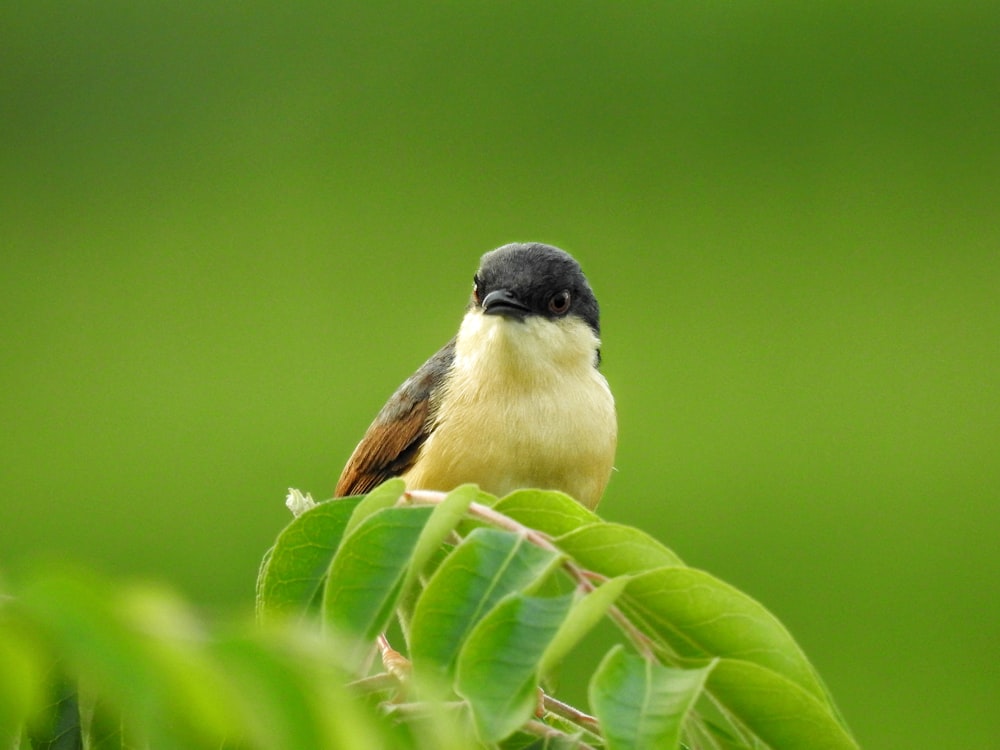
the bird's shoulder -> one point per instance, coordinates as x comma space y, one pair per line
390, 445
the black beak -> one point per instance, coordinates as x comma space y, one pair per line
502, 302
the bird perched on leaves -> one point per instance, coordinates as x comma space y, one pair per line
514, 400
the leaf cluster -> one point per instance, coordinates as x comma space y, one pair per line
482, 599
494, 594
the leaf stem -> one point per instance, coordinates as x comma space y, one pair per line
571, 713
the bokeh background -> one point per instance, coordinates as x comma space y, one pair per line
229, 230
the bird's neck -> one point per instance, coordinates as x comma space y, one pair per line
535, 349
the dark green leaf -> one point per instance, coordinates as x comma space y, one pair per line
498, 666
487, 566
293, 571
641, 704
367, 573
62, 729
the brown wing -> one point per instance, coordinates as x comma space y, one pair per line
392, 442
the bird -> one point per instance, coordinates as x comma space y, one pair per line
514, 400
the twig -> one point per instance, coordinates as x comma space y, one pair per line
571, 713
394, 662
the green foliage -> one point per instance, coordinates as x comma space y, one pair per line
491, 597
645, 703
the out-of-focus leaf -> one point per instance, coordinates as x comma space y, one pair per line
367, 573
584, 615
571, 740
487, 566
699, 616
22, 694
385, 495
139, 649
778, 711
293, 571
554, 513
287, 700
105, 730
641, 704
188, 680
61, 729
719, 738
497, 669
613, 549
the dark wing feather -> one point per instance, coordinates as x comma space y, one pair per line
392, 442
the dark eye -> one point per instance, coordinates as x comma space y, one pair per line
559, 304
475, 290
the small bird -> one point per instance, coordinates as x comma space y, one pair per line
514, 400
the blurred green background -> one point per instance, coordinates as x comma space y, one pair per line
229, 230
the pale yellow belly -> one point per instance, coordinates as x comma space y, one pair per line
558, 436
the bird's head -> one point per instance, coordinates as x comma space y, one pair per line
533, 300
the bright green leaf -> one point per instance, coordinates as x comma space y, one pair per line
444, 518
778, 711
699, 616
487, 566
385, 495
367, 573
294, 569
613, 549
21, 678
641, 704
497, 669
548, 511
586, 612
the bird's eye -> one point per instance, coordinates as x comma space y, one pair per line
559, 304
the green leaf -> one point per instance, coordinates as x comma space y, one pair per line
612, 549
367, 573
293, 571
548, 511
444, 518
385, 495
778, 711
106, 728
497, 669
586, 613
487, 566
22, 694
63, 729
138, 648
285, 700
699, 616
641, 704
